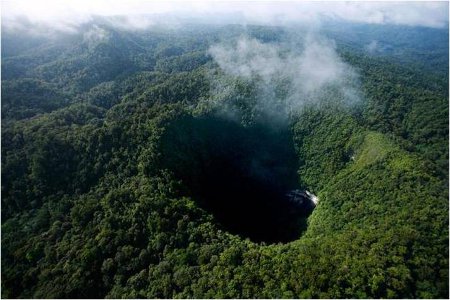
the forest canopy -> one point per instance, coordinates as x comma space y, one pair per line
158, 163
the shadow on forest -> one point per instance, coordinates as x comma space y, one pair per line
239, 174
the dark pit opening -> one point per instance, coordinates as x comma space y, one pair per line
243, 175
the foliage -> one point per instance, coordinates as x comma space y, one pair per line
103, 144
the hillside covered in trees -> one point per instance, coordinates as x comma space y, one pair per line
157, 163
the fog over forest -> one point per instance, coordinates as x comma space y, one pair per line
224, 149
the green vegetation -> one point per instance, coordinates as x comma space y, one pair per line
119, 174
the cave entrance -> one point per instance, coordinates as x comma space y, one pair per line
242, 175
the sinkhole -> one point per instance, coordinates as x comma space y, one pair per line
245, 176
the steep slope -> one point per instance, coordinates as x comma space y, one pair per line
109, 184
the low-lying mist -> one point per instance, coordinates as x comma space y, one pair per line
284, 76
237, 159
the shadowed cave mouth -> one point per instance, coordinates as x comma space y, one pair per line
245, 176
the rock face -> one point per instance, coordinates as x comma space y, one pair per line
302, 198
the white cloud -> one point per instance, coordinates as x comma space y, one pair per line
430, 14
372, 46
311, 76
95, 35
